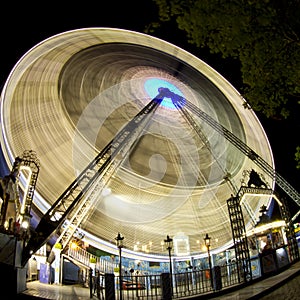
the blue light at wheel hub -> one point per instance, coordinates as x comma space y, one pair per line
152, 86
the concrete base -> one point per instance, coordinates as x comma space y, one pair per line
13, 276
12, 279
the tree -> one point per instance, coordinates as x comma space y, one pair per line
262, 34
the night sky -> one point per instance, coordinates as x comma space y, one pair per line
24, 25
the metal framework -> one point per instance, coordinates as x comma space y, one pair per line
28, 165
183, 104
289, 231
79, 196
239, 236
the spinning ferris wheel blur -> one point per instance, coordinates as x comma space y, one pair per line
71, 95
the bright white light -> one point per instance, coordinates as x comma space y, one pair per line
25, 224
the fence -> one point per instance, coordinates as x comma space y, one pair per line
104, 284
190, 283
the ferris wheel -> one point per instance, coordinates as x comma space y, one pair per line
115, 159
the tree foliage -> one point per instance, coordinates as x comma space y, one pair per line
262, 34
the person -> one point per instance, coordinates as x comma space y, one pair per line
268, 247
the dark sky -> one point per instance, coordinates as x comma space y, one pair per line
24, 25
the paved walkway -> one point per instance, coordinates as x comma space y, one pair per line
268, 288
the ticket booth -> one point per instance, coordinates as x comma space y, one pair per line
269, 242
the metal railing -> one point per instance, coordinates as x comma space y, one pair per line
85, 258
190, 283
193, 282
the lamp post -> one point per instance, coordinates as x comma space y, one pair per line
169, 246
207, 244
119, 241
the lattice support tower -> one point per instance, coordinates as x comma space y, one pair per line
184, 104
79, 196
289, 231
29, 165
239, 237
65, 206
